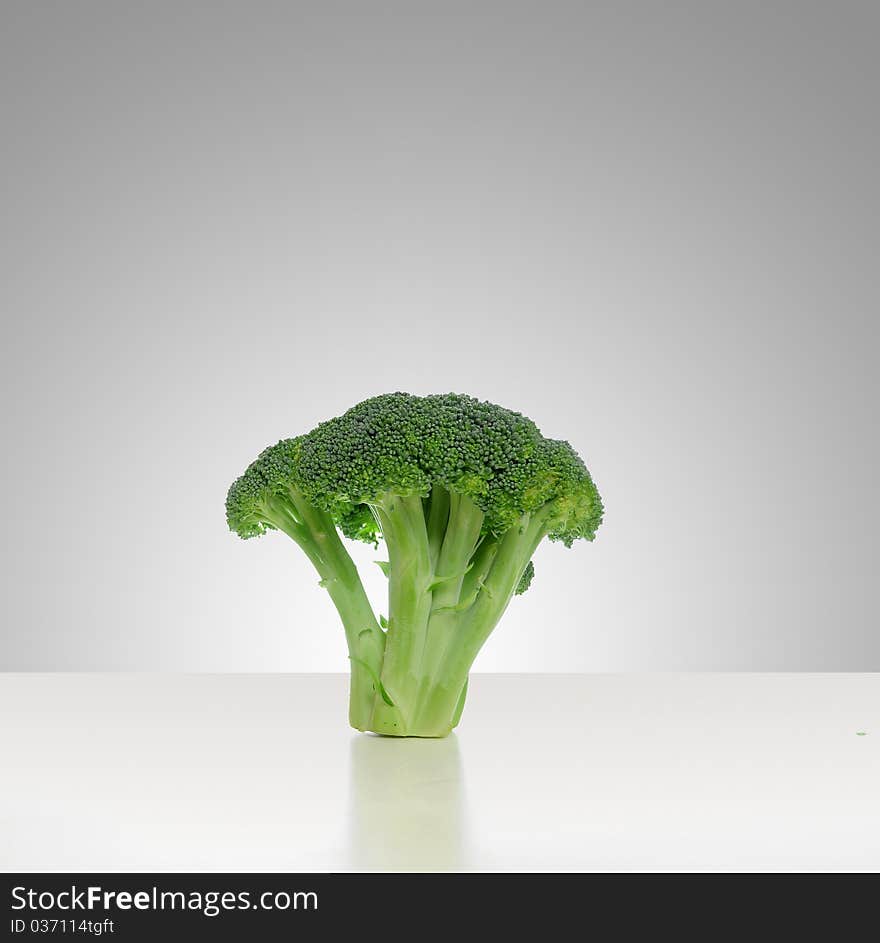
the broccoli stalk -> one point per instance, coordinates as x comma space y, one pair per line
462, 493
442, 602
315, 533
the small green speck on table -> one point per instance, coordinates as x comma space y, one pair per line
861, 733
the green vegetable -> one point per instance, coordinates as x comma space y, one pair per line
461, 492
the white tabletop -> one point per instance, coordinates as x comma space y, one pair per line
722, 772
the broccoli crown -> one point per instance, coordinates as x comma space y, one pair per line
399, 444
250, 499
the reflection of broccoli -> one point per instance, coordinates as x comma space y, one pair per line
461, 492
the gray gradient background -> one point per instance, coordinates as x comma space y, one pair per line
651, 227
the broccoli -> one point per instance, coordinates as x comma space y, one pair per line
461, 492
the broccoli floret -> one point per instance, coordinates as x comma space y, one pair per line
525, 581
461, 492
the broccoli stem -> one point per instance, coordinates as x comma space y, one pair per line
449, 584
514, 551
459, 708
436, 519
315, 533
459, 542
409, 596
